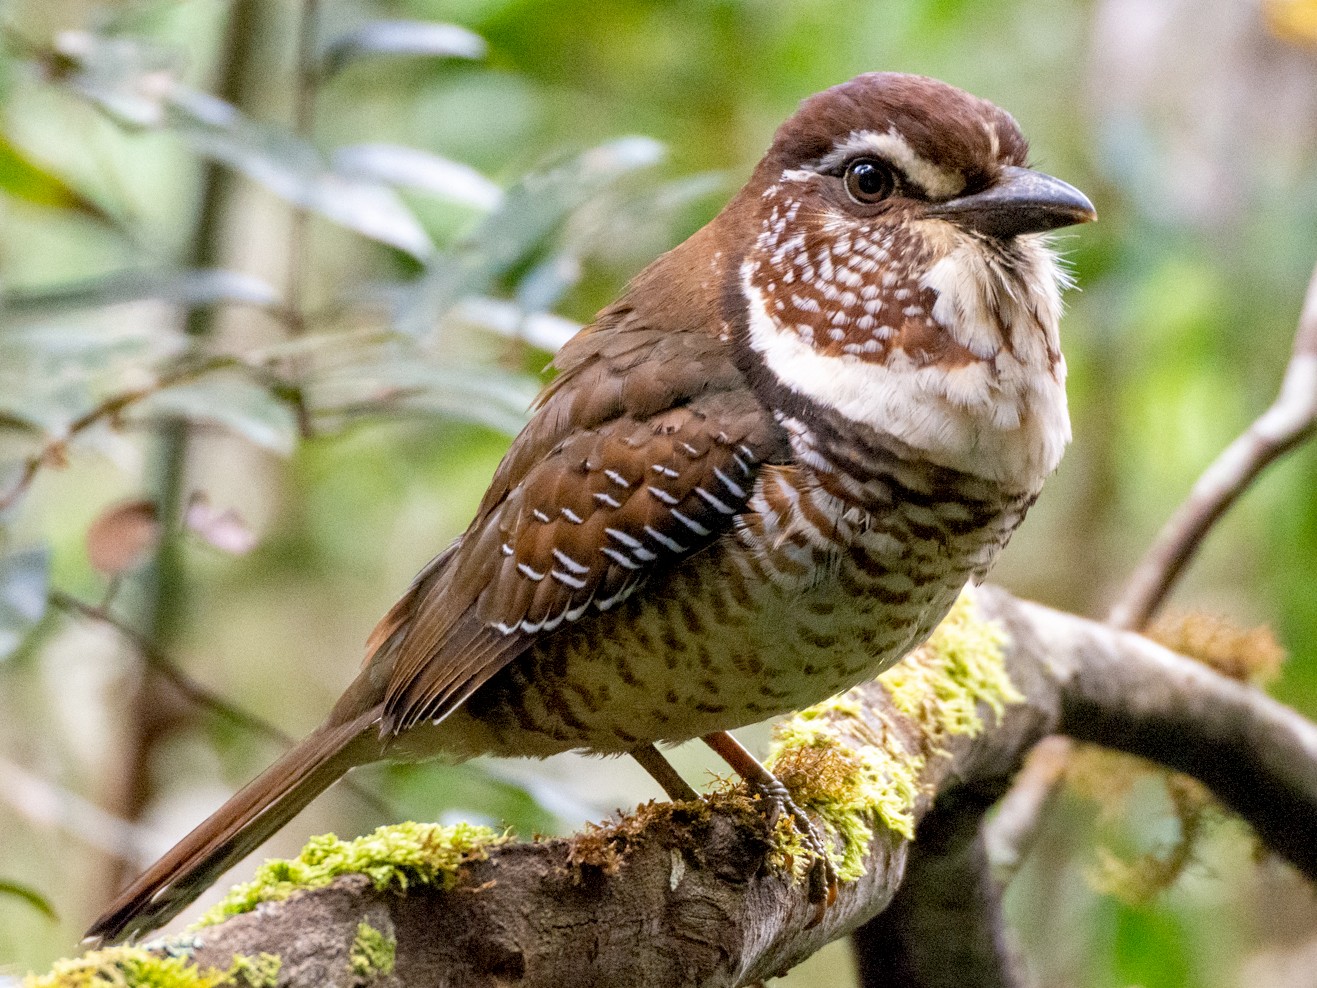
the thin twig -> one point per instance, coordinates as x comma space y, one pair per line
1013, 830
107, 409
53, 449
1290, 420
202, 695
304, 111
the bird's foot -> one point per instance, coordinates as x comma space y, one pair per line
822, 875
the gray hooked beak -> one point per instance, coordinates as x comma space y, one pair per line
1021, 201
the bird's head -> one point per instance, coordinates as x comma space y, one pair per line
898, 272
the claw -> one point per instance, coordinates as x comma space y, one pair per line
822, 876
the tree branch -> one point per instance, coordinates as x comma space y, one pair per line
690, 898
46, 805
1290, 420
52, 451
944, 927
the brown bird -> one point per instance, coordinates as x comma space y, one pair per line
761, 476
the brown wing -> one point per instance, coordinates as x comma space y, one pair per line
642, 453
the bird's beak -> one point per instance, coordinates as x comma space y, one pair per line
1021, 201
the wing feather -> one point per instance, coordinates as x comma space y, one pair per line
642, 453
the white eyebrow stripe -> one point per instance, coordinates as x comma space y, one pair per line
938, 182
799, 175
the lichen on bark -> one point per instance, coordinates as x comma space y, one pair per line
142, 967
397, 856
936, 691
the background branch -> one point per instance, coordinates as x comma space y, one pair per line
47, 805
1290, 420
52, 451
944, 928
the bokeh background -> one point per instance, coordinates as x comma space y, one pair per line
388, 312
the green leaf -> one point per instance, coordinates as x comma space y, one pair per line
401, 38
192, 289
294, 170
24, 584
24, 179
531, 210
1151, 947
131, 82
406, 383
544, 330
128, 78
544, 285
51, 374
535, 206
413, 168
231, 402
31, 896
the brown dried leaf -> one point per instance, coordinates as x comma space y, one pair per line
224, 530
123, 536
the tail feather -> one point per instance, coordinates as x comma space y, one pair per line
235, 830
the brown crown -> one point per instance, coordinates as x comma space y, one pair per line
941, 123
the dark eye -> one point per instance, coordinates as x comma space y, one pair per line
869, 180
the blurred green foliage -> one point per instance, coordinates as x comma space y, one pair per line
361, 409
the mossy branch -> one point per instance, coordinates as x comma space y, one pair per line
704, 893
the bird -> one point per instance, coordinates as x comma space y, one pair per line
759, 477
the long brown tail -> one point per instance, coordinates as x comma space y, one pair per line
236, 829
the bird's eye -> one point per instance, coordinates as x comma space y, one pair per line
869, 180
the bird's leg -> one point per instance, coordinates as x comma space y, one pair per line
653, 762
822, 875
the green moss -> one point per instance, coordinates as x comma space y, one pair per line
935, 692
137, 967
372, 953
398, 857
961, 666
848, 788
261, 971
